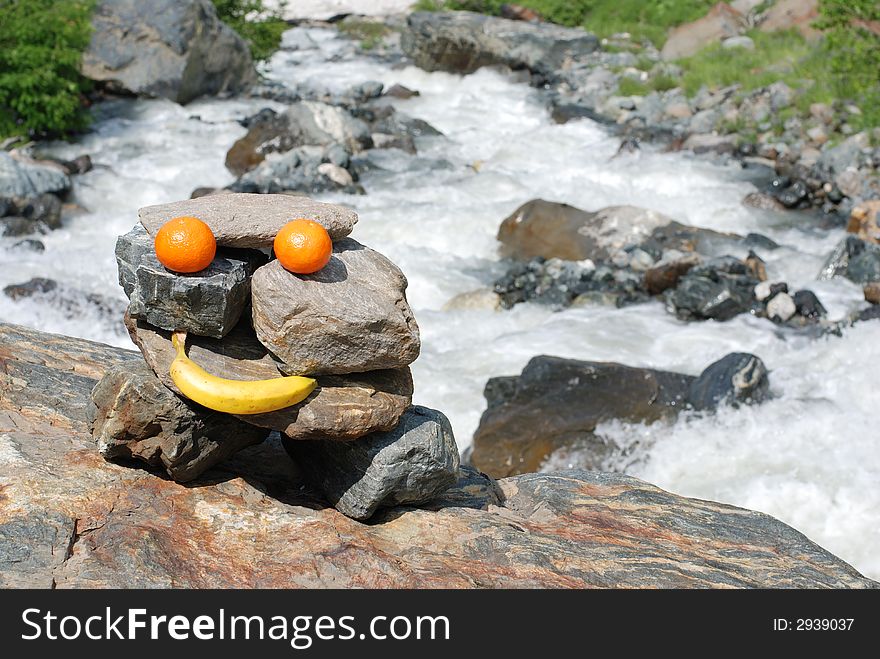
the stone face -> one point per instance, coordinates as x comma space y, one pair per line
250, 220
208, 303
557, 403
306, 123
409, 465
722, 22
462, 42
134, 416
341, 407
351, 316
26, 178
737, 377
553, 230
175, 49
71, 519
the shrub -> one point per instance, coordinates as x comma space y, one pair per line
262, 32
632, 87
41, 44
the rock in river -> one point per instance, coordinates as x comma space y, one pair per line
738, 377
23, 177
719, 290
855, 259
350, 316
134, 416
250, 220
70, 519
342, 407
462, 42
409, 465
176, 49
208, 303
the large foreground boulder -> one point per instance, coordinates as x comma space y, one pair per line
350, 316
175, 49
558, 404
462, 42
411, 464
134, 416
70, 519
342, 407
250, 220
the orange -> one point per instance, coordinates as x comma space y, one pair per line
303, 246
185, 244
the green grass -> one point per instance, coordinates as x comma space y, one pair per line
369, 33
632, 87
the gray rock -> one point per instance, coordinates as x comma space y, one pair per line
25, 178
855, 259
134, 416
342, 407
719, 290
409, 465
351, 316
462, 42
44, 210
250, 220
735, 378
305, 169
306, 123
209, 303
742, 41
175, 49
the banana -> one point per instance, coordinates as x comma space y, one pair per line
234, 396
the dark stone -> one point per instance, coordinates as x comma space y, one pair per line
409, 465
45, 209
718, 290
30, 288
855, 259
30, 245
667, 275
134, 416
794, 195
18, 226
735, 378
557, 403
776, 289
760, 241
808, 305
208, 303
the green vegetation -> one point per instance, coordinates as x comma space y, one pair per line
260, 28
41, 43
643, 19
631, 87
369, 33
852, 39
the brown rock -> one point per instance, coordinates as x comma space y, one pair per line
341, 407
557, 403
349, 317
666, 276
136, 417
762, 201
756, 266
721, 22
793, 14
401, 91
864, 221
250, 220
872, 292
70, 519
553, 230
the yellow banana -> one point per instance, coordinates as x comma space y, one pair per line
234, 396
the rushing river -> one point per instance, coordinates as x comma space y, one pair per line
808, 457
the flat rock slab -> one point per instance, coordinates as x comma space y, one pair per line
340, 408
349, 317
135, 416
251, 220
209, 303
409, 465
73, 520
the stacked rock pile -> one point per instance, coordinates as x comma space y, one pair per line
356, 437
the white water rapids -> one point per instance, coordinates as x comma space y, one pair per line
808, 457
